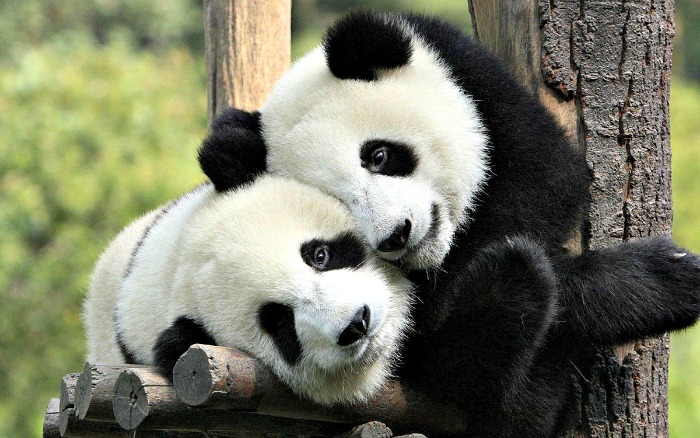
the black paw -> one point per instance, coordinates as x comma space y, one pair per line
513, 282
675, 273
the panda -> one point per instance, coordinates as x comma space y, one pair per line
274, 268
456, 174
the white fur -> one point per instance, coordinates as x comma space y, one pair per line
314, 125
219, 257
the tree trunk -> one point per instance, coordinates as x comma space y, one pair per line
603, 69
247, 48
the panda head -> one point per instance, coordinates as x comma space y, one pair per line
374, 118
283, 275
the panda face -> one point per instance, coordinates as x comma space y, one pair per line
295, 287
405, 152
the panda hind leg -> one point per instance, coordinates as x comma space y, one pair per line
505, 303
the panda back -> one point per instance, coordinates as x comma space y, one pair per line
105, 281
148, 299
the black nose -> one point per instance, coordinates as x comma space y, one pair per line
357, 327
398, 238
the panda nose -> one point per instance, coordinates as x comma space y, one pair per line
357, 327
398, 238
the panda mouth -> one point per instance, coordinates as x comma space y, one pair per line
429, 236
401, 258
405, 258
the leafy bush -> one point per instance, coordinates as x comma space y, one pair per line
92, 137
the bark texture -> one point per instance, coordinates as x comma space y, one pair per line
603, 69
247, 47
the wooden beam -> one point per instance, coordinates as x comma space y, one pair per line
226, 378
146, 400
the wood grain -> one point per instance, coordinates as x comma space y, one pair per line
247, 47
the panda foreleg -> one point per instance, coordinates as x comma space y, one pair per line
175, 340
628, 291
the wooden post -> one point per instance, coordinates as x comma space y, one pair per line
247, 47
603, 69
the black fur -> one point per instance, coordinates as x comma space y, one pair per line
364, 43
504, 322
278, 321
345, 251
124, 350
175, 340
400, 159
234, 153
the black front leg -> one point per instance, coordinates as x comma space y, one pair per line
174, 341
628, 291
502, 304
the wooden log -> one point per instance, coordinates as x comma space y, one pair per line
140, 392
144, 399
371, 429
247, 47
226, 378
94, 390
65, 404
51, 422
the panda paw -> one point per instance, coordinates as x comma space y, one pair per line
234, 152
675, 274
515, 279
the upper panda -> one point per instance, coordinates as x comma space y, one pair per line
274, 268
457, 174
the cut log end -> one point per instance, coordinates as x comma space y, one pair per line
83, 391
192, 378
130, 401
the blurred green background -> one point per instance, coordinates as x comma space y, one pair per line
102, 107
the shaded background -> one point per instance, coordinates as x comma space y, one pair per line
102, 108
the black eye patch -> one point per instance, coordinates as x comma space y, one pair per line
345, 251
277, 320
387, 157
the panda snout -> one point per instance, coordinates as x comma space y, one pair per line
398, 238
357, 328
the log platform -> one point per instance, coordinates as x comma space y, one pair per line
223, 392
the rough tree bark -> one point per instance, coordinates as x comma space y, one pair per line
603, 68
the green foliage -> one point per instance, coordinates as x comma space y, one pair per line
150, 24
684, 381
686, 51
92, 137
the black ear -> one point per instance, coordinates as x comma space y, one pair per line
361, 43
234, 151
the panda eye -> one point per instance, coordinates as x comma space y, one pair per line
321, 257
386, 157
379, 158
344, 251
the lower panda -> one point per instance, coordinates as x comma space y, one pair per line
272, 267
456, 174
